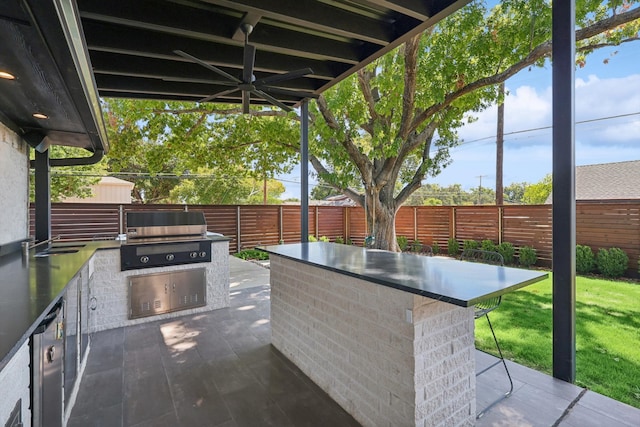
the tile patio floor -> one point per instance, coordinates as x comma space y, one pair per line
219, 369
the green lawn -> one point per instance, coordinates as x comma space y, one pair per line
607, 334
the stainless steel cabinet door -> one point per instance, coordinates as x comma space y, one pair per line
149, 295
188, 289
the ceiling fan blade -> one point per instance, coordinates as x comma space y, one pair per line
246, 101
272, 100
295, 93
282, 77
208, 66
217, 95
249, 60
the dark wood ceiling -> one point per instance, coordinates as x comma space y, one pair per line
131, 50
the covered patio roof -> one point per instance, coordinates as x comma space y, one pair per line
65, 54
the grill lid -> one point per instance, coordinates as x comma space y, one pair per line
167, 224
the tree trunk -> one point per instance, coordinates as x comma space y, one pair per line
381, 218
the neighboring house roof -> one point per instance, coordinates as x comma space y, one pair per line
339, 200
608, 181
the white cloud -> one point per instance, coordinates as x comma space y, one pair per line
527, 155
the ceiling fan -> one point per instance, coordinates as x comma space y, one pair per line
248, 84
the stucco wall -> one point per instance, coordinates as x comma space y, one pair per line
14, 386
14, 187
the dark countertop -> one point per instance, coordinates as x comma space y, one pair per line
29, 290
445, 279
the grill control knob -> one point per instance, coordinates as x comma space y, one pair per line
144, 259
170, 257
193, 254
203, 254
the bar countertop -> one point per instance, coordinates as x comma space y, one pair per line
457, 282
28, 290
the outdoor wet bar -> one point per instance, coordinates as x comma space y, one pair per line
389, 336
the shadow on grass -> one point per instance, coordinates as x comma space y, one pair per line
523, 325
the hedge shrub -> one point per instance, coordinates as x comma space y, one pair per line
403, 242
527, 256
612, 262
585, 260
416, 246
488, 245
507, 251
453, 247
470, 244
435, 247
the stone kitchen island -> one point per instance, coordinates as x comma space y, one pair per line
388, 336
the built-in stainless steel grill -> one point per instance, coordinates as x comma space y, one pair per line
164, 238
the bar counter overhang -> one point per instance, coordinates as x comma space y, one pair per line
389, 336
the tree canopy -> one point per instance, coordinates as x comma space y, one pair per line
189, 153
406, 107
537, 194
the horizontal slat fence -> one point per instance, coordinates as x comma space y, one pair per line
598, 225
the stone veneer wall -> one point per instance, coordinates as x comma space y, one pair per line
388, 357
14, 384
14, 187
108, 285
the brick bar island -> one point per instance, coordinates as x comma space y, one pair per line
388, 336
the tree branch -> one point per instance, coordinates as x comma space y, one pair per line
410, 76
361, 161
349, 192
541, 51
416, 181
364, 83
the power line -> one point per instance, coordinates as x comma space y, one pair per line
517, 132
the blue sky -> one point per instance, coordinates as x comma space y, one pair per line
607, 101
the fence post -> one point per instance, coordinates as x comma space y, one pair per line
280, 225
120, 219
317, 230
345, 224
452, 223
500, 226
415, 223
238, 229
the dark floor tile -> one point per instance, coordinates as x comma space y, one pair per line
106, 351
253, 406
552, 385
212, 348
612, 408
229, 375
528, 406
307, 409
581, 416
100, 416
196, 399
179, 343
142, 336
101, 389
146, 398
276, 377
143, 362
166, 420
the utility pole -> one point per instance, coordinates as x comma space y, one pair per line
480, 187
499, 150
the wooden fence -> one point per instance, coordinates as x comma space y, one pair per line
599, 225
